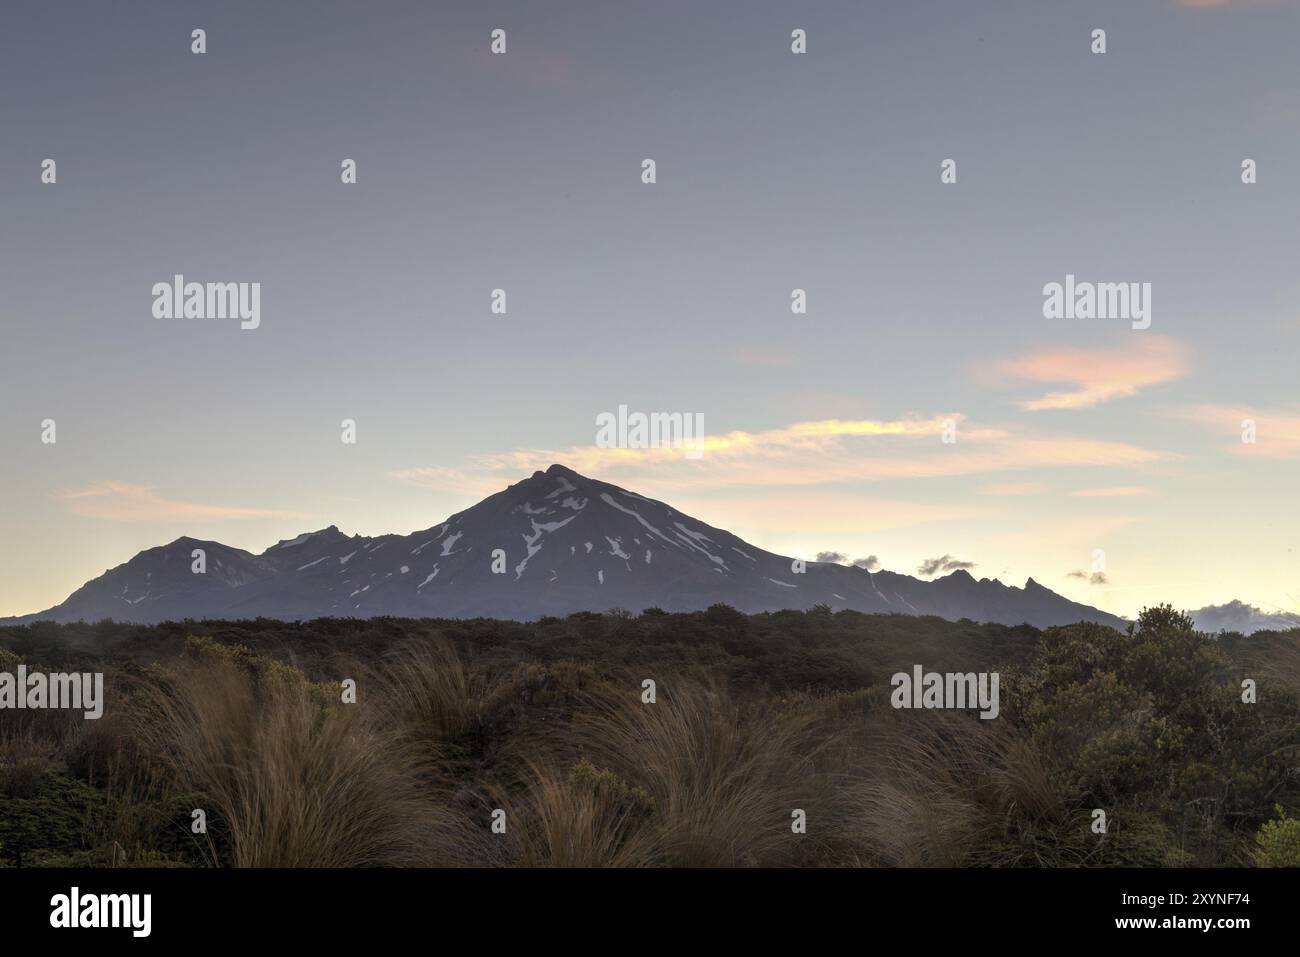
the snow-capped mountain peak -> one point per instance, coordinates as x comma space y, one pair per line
551, 544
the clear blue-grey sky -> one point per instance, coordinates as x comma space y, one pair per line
775, 171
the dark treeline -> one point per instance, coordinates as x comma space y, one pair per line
783, 651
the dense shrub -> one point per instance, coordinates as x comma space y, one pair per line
759, 719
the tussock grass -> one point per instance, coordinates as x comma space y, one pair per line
293, 779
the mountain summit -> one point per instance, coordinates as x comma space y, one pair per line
554, 543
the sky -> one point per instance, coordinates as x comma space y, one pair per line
1076, 440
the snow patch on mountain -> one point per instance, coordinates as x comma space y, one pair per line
609, 500
565, 486
693, 539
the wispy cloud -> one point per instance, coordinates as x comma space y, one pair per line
1098, 375
123, 502
1276, 432
1066, 530
479, 483
818, 452
1112, 491
1010, 489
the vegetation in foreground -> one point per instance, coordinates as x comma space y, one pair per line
755, 716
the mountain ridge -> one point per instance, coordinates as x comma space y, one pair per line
554, 543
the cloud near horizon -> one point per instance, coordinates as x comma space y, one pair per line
944, 563
124, 502
1096, 578
870, 563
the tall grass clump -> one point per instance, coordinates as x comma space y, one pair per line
288, 774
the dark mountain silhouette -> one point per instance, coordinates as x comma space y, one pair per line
567, 543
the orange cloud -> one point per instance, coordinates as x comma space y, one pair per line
812, 453
1276, 433
1098, 375
122, 502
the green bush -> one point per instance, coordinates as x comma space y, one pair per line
44, 818
1278, 842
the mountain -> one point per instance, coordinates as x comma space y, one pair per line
568, 543
1243, 618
